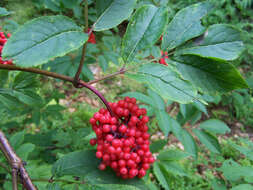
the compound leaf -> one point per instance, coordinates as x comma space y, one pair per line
159, 173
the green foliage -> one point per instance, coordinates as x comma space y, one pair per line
55, 141
185, 25
41, 36
205, 74
4, 12
111, 13
166, 82
216, 43
144, 29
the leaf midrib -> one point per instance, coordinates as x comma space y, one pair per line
106, 10
136, 44
195, 99
42, 41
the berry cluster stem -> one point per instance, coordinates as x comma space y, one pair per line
95, 91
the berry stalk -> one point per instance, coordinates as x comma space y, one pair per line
95, 91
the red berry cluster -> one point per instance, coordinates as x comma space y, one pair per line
92, 38
123, 141
164, 56
3, 40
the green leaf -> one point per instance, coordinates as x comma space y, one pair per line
24, 150
76, 163
188, 141
233, 171
67, 66
185, 25
163, 119
43, 39
9, 102
157, 145
218, 184
4, 12
97, 176
17, 139
114, 187
222, 41
159, 102
102, 62
247, 151
3, 77
209, 75
166, 83
210, 141
215, 126
185, 138
172, 155
159, 173
143, 30
243, 187
174, 168
25, 80
112, 12
53, 186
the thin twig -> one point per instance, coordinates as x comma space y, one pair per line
15, 178
79, 71
102, 98
16, 164
37, 71
122, 71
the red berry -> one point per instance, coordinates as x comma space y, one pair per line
99, 154
142, 173
102, 166
106, 128
123, 142
122, 163
122, 129
123, 171
106, 157
93, 142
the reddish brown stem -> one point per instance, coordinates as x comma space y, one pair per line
16, 164
79, 70
58, 76
121, 71
95, 91
37, 71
